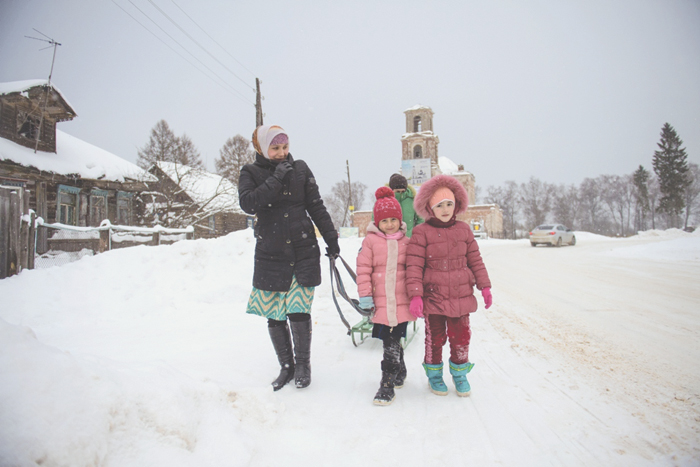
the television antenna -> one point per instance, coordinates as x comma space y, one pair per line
54, 44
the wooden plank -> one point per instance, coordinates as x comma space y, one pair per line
4, 232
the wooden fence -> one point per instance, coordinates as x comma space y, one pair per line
22, 246
16, 231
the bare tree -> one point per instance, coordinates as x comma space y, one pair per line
654, 197
186, 196
617, 195
692, 200
566, 204
235, 153
508, 200
164, 145
591, 211
339, 201
186, 153
536, 197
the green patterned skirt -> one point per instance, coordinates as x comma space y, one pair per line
277, 305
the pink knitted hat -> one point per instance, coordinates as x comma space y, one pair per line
441, 194
386, 205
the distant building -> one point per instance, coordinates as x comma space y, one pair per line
189, 196
420, 162
62, 178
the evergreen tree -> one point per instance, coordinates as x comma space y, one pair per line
671, 167
640, 179
235, 153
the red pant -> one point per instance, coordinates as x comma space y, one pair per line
437, 329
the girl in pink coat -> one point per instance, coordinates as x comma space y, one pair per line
381, 274
443, 265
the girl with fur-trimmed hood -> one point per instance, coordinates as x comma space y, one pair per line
443, 265
381, 275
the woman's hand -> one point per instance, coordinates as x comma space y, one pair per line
282, 169
333, 250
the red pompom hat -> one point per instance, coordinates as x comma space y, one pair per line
386, 205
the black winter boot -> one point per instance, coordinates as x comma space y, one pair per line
301, 332
401, 376
390, 369
282, 341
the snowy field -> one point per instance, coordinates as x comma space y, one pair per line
144, 357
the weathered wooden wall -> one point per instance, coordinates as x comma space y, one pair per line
16, 232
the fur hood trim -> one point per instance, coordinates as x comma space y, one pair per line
422, 199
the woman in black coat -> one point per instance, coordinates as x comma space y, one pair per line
282, 193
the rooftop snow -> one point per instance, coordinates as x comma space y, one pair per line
21, 86
74, 156
205, 188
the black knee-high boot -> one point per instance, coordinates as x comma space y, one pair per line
401, 376
282, 341
390, 368
301, 332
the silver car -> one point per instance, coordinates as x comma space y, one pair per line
552, 234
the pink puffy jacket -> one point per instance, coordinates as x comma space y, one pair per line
381, 274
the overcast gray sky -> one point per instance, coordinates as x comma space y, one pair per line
558, 90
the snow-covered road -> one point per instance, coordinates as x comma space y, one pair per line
144, 357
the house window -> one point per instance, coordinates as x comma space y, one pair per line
27, 125
417, 127
67, 205
98, 207
212, 223
124, 208
417, 152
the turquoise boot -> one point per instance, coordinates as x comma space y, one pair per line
459, 376
437, 384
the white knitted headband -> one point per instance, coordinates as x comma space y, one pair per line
265, 134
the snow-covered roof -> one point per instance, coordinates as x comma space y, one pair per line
424, 133
418, 107
26, 85
74, 156
448, 167
212, 191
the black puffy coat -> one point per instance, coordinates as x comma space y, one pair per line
285, 237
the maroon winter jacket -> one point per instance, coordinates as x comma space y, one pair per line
443, 264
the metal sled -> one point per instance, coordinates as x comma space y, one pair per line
362, 330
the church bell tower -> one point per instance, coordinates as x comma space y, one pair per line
419, 146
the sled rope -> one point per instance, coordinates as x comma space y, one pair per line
340, 287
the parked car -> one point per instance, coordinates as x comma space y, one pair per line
552, 234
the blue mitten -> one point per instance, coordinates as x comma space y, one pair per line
366, 303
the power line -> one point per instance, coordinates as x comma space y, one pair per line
214, 40
198, 44
226, 86
184, 48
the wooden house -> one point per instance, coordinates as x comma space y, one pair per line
185, 196
68, 181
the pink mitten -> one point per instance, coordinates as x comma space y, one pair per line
416, 307
488, 299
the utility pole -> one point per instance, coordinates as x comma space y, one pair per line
258, 104
54, 44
